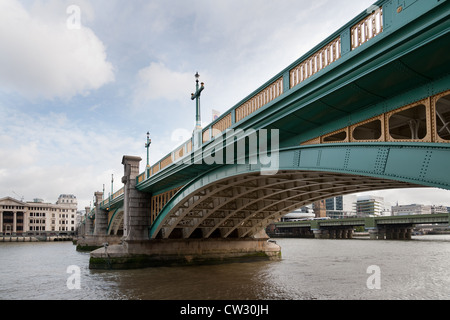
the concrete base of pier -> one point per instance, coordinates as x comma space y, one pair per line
166, 252
91, 242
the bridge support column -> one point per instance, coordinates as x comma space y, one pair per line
101, 216
136, 204
321, 234
332, 233
93, 237
389, 234
83, 228
167, 252
395, 234
349, 233
89, 226
373, 234
401, 233
404, 233
408, 234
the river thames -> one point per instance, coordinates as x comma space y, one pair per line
310, 269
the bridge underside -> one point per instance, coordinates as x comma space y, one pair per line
237, 201
243, 205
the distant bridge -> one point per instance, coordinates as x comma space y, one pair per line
383, 227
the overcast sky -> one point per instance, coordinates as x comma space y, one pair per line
77, 95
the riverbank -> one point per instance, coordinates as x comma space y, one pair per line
33, 238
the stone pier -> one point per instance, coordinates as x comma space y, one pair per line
165, 252
136, 250
136, 204
95, 236
101, 216
89, 223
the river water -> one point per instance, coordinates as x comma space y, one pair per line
310, 269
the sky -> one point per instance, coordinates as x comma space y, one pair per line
81, 82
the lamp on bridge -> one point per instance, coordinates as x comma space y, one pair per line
112, 187
198, 123
147, 145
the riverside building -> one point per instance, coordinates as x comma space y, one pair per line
37, 217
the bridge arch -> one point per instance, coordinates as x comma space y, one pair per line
236, 201
115, 221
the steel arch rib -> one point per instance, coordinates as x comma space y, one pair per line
112, 225
392, 164
308, 182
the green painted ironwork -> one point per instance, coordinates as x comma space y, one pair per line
111, 220
362, 159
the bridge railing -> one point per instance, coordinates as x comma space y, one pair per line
266, 95
367, 28
318, 61
114, 196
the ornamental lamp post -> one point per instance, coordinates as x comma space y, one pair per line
112, 187
198, 123
147, 145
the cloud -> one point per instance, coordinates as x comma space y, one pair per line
159, 82
43, 58
45, 155
426, 196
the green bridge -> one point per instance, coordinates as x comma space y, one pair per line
366, 109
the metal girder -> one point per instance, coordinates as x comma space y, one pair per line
244, 203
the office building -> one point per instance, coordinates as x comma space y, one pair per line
37, 217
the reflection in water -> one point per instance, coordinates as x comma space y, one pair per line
309, 269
